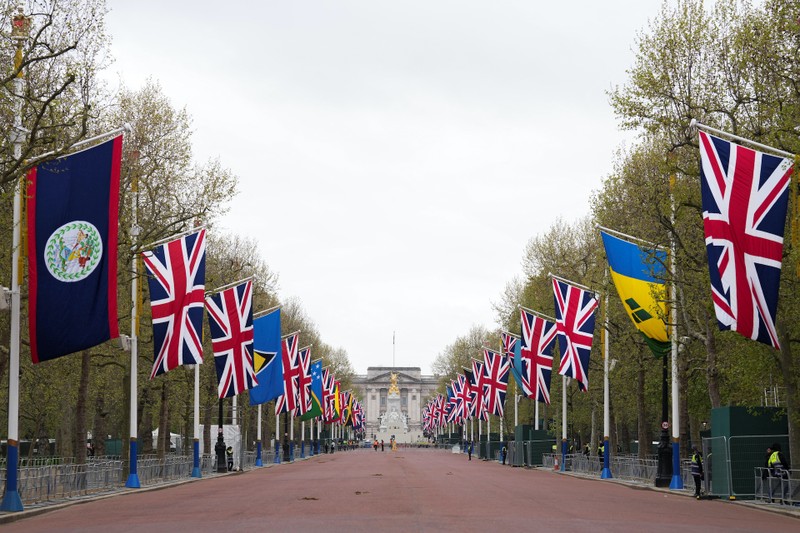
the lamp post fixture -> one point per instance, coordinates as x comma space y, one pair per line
20, 28
664, 475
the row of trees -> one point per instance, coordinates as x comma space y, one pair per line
63, 102
731, 65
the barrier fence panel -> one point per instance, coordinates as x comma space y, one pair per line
746, 452
784, 489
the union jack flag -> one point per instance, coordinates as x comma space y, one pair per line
230, 319
329, 400
304, 382
745, 196
464, 396
481, 412
536, 355
441, 414
426, 417
358, 415
575, 309
454, 409
177, 282
495, 381
509, 342
287, 402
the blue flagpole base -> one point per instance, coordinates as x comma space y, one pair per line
196, 472
133, 477
606, 472
11, 502
677, 481
133, 482
277, 460
303, 450
258, 454
291, 452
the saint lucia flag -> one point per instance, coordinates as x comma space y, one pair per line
266, 358
316, 391
638, 275
73, 207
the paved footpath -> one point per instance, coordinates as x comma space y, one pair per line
408, 490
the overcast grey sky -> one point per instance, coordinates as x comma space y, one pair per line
394, 157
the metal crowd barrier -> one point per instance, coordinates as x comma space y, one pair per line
772, 489
53, 479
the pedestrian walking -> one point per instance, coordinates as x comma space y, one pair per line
697, 470
469, 450
503, 453
381, 445
375, 444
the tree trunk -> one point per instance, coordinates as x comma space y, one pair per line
642, 426
712, 376
145, 423
625, 435
683, 403
100, 432
80, 409
163, 422
792, 399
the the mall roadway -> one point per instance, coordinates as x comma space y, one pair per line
408, 490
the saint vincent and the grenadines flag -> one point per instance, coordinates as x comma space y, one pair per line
73, 207
638, 275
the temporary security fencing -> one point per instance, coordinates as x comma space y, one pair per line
783, 489
61, 479
730, 463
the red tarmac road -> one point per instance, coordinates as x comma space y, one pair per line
408, 490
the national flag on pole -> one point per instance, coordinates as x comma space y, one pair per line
73, 207
481, 412
536, 354
315, 392
230, 319
329, 393
463, 394
441, 410
511, 347
290, 360
266, 359
177, 284
304, 382
745, 194
575, 309
638, 274
495, 381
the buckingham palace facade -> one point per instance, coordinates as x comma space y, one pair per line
415, 390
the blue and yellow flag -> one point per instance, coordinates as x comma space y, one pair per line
267, 358
638, 276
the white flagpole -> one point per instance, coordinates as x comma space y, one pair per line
291, 437
259, 461
196, 471
133, 476
606, 472
536, 415
564, 382
302, 439
277, 439
677, 480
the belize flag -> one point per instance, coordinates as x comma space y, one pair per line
73, 207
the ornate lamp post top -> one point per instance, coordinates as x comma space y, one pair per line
20, 25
